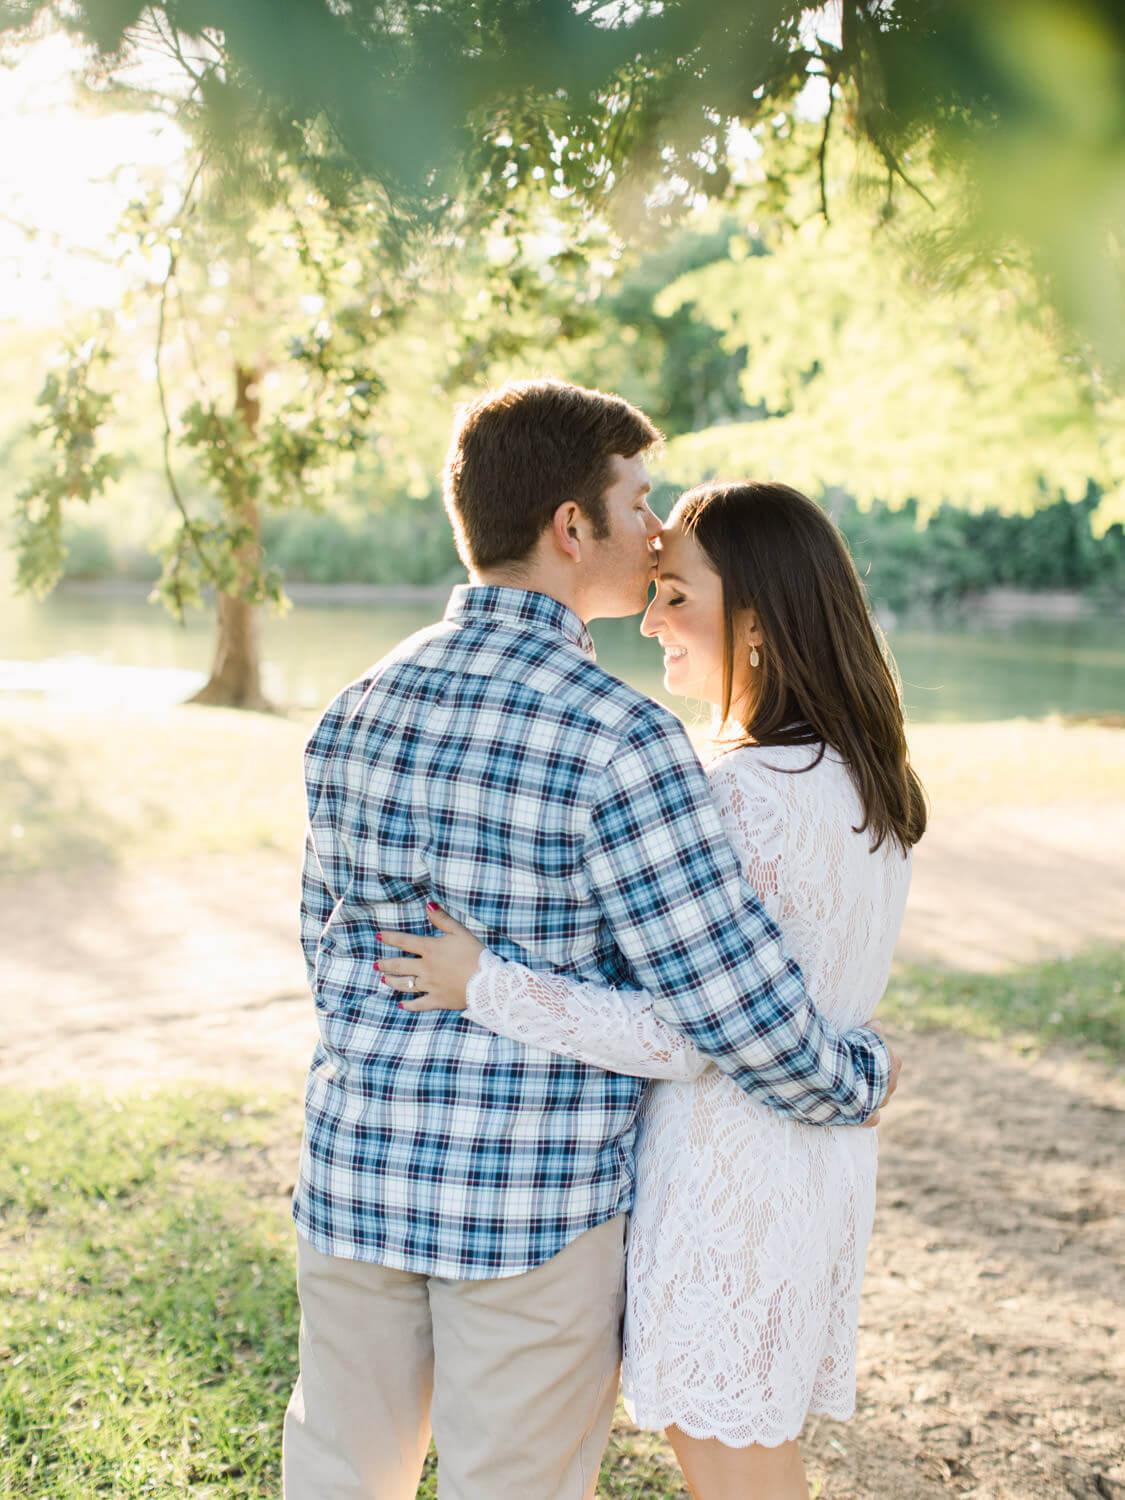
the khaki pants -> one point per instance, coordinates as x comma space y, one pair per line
518, 1375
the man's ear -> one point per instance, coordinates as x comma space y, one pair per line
568, 528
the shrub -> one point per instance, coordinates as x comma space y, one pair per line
88, 551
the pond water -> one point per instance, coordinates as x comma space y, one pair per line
117, 648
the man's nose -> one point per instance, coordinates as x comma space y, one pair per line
653, 524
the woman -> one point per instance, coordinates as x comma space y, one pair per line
749, 1229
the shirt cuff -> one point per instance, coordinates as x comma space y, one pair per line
872, 1057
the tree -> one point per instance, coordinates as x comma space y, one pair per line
273, 282
869, 364
433, 119
606, 98
261, 322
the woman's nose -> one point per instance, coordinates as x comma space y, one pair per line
650, 624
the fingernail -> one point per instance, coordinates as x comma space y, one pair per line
431, 906
379, 935
378, 964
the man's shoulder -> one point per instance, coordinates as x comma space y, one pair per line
537, 676
617, 707
552, 674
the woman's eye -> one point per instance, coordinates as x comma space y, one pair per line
677, 600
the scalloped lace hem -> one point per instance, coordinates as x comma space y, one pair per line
656, 1419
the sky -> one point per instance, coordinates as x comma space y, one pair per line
63, 187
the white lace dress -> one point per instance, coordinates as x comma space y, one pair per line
749, 1230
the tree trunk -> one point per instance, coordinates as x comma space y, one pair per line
235, 680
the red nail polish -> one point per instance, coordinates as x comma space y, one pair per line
379, 935
431, 906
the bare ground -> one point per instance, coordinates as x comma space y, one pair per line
992, 1349
993, 1340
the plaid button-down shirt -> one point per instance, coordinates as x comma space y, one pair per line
489, 764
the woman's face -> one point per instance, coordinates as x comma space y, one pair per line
686, 617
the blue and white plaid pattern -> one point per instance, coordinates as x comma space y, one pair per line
490, 765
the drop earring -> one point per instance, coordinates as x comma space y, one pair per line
754, 657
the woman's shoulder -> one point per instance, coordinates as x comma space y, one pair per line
769, 762
794, 782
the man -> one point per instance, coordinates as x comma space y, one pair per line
461, 1203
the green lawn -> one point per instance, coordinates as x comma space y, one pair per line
82, 786
1078, 1001
148, 1343
149, 1325
149, 1332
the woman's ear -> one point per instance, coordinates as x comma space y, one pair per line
568, 529
751, 631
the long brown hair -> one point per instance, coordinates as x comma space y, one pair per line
824, 676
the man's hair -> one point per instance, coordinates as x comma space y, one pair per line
520, 451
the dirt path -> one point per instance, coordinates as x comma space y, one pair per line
134, 972
992, 1346
992, 1349
992, 1359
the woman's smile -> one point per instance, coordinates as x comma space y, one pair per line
689, 596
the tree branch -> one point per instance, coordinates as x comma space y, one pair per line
166, 435
171, 41
822, 153
895, 169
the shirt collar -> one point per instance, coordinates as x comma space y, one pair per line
475, 602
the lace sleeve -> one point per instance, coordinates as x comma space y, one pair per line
617, 1030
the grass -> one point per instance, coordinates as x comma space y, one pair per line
1079, 1001
81, 786
148, 1322
1017, 763
149, 1333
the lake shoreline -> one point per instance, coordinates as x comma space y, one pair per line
996, 606
105, 643
298, 593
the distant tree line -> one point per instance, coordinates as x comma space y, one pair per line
366, 163
383, 523
905, 568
